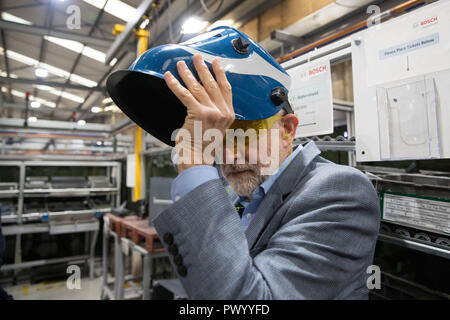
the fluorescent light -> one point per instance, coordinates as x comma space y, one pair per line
68, 96
221, 23
113, 62
144, 24
81, 122
11, 75
51, 69
68, 44
41, 73
116, 8
94, 54
106, 100
96, 109
99, 143
45, 102
9, 17
63, 94
21, 94
35, 104
193, 25
112, 108
78, 47
32, 119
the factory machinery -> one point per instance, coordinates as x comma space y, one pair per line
415, 208
56, 197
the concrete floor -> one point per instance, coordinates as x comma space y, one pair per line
90, 290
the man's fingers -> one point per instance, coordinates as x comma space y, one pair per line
179, 91
222, 81
208, 81
192, 84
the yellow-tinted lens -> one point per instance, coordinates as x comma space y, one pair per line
251, 128
257, 125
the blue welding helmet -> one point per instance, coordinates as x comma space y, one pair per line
259, 84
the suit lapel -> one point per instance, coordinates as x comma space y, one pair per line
280, 189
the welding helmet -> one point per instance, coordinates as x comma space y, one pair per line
259, 84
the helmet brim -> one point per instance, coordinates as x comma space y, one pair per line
147, 100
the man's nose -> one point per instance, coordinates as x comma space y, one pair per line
233, 155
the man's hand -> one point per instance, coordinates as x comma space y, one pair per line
209, 102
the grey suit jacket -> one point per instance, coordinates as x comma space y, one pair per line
313, 236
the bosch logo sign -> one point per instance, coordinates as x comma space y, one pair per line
428, 21
317, 70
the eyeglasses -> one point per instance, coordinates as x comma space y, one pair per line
249, 130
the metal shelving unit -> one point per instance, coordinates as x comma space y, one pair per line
58, 222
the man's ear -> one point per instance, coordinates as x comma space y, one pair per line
289, 123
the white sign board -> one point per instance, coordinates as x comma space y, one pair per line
311, 98
131, 170
401, 76
417, 211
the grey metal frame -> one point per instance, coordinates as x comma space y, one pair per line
118, 292
91, 227
41, 31
16, 227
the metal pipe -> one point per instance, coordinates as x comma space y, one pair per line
41, 31
361, 25
42, 262
123, 37
20, 106
67, 85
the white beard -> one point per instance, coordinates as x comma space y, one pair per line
247, 182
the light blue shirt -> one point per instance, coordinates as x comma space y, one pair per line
193, 177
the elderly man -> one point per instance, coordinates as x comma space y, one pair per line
300, 227
305, 228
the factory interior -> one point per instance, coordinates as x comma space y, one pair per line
80, 181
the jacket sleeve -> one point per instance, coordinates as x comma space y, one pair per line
320, 251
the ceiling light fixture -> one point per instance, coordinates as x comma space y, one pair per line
193, 25
116, 8
51, 69
144, 24
81, 122
32, 119
21, 94
11, 75
113, 62
75, 46
41, 73
9, 17
63, 94
35, 104
96, 109
78, 47
107, 100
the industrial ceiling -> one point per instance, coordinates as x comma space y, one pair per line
44, 35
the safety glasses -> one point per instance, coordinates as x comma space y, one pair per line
248, 130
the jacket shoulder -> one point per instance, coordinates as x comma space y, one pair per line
326, 172
327, 184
